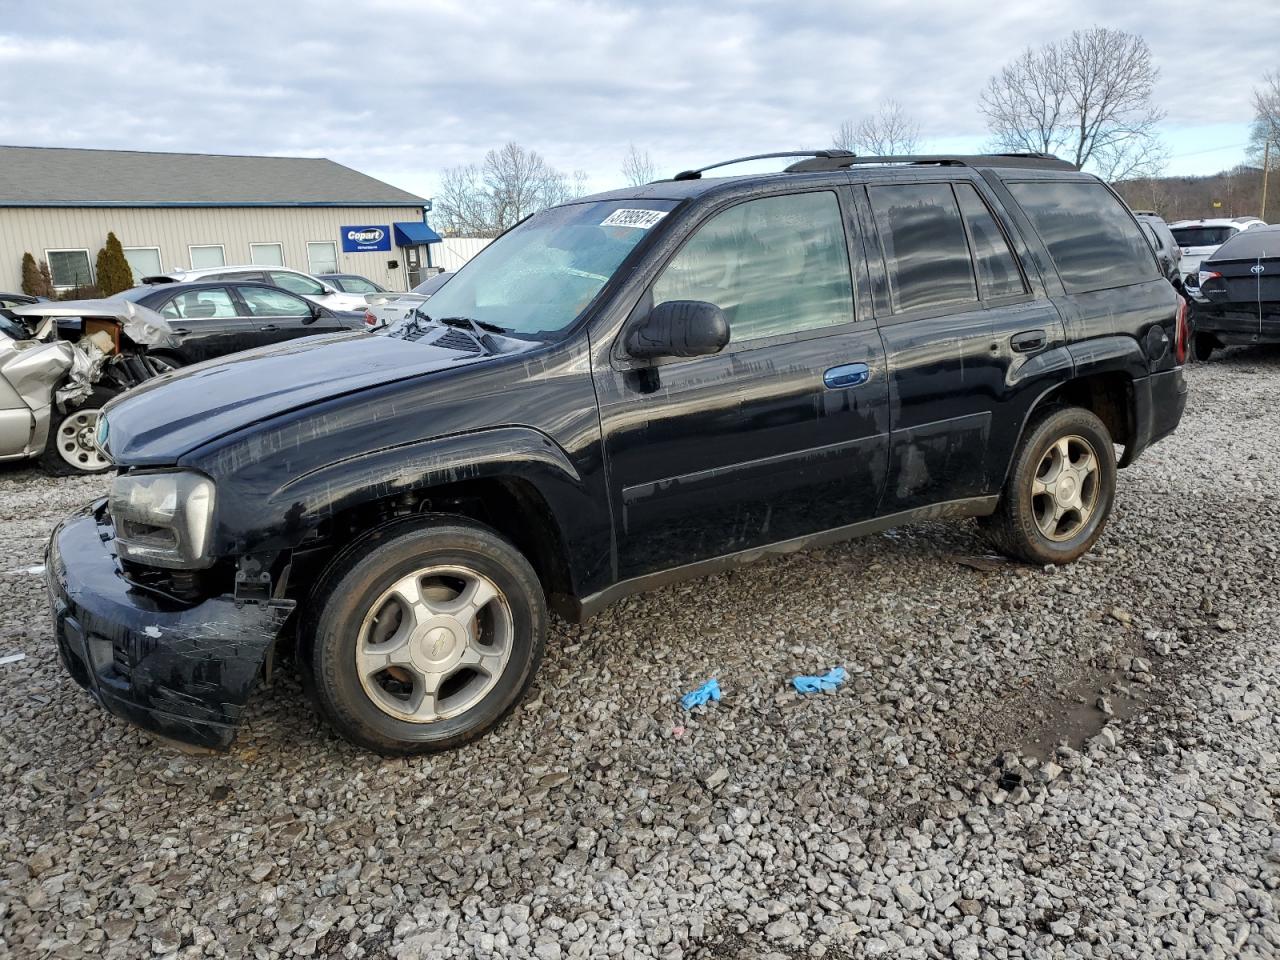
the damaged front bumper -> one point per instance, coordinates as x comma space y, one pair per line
184, 671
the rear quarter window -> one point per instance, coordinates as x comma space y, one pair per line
1092, 239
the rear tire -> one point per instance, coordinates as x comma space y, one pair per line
1202, 346
69, 450
1060, 489
424, 637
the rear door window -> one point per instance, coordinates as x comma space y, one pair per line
926, 253
265, 302
998, 272
296, 283
1094, 242
209, 304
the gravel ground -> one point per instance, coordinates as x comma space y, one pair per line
1079, 762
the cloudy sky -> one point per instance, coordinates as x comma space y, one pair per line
401, 89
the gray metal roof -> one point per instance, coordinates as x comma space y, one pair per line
63, 177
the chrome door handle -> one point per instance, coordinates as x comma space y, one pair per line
1029, 341
269, 328
847, 375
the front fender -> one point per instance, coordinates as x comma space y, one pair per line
279, 518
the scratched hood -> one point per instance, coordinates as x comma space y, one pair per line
163, 419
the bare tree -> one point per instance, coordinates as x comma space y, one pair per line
511, 184
1087, 99
1266, 121
888, 132
637, 168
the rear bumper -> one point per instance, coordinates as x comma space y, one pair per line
1233, 325
1158, 403
182, 671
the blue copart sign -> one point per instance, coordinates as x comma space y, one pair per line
365, 239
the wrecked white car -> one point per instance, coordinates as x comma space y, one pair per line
59, 363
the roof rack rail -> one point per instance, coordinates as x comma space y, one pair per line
1040, 160
817, 154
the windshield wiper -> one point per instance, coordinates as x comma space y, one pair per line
468, 323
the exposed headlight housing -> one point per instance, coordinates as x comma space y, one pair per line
163, 519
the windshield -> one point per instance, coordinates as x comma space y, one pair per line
1202, 236
537, 278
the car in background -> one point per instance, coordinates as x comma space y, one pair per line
1238, 301
213, 319
351, 283
294, 281
1165, 246
383, 311
54, 382
18, 299
1199, 238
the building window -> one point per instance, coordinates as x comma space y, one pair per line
143, 261
267, 254
322, 257
207, 255
69, 268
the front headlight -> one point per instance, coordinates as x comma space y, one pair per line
163, 519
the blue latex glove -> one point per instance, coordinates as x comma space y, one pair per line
697, 698
823, 684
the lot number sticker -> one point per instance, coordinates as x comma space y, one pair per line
641, 219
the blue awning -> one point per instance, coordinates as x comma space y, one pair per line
413, 232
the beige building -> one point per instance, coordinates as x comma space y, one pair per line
174, 211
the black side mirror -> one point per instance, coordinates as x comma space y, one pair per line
679, 328
317, 312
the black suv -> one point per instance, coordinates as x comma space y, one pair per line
632, 388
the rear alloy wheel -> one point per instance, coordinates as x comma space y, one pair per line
71, 447
1060, 489
424, 636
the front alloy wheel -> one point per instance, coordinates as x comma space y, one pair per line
423, 635
434, 644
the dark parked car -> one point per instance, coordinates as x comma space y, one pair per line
1239, 296
1166, 248
351, 283
215, 319
622, 391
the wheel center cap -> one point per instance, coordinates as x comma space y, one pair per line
437, 644
1067, 487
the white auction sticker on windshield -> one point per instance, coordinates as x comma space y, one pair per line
640, 219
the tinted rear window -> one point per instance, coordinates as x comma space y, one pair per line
1202, 236
1093, 240
1250, 245
925, 249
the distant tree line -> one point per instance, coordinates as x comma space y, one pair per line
1238, 191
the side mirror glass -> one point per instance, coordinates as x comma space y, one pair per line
679, 328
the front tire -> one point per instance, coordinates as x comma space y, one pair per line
425, 637
1060, 490
70, 449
